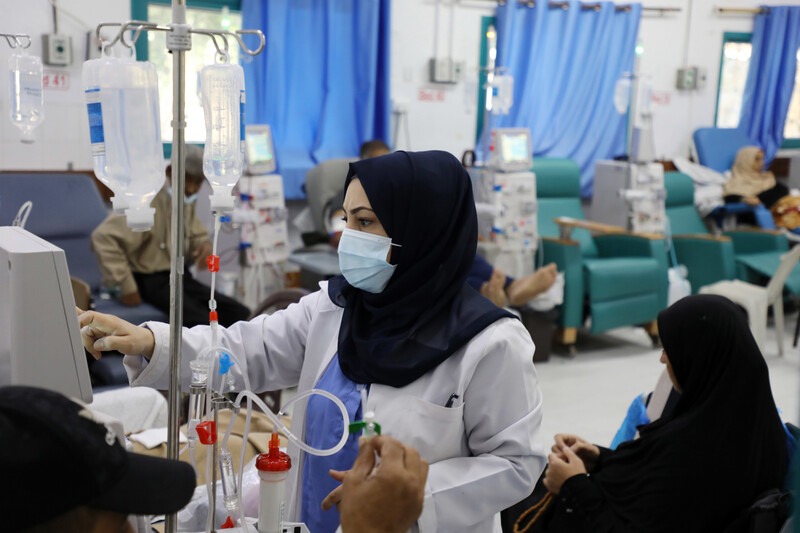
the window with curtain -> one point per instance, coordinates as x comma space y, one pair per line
734, 64
322, 81
565, 64
220, 14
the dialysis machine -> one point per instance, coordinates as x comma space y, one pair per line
629, 195
507, 196
263, 217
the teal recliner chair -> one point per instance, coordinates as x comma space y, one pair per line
708, 258
615, 277
751, 255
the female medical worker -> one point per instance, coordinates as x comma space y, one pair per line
447, 372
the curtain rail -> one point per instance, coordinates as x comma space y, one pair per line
741, 11
595, 6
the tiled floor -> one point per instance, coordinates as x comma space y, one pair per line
589, 394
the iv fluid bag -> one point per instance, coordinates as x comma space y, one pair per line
93, 71
132, 135
622, 95
27, 107
222, 89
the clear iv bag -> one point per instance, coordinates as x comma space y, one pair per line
27, 107
222, 91
622, 94
132, 134
93, 71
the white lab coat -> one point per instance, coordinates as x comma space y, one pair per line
485, 452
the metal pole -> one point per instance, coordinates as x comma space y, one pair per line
633, 106
178, 178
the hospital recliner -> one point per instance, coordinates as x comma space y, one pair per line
747, 254
708, 258
324, 183
620, 278
67, 207
716, 148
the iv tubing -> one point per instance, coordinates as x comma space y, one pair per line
278, 425
289, 435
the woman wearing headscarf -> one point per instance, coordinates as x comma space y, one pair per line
749, 183
696, 468
445, 370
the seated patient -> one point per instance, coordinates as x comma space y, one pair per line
505, 291
70, 473
139, 262
749, 183
700, 466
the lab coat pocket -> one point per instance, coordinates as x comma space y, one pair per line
436, 431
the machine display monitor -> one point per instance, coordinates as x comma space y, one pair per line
40, 339
259, 150
513, 149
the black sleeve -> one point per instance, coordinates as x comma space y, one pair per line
732, 198
581, 496
605, 453
770, 196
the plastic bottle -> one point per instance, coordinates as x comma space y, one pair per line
93, 71
273, 468
222, 89
27, 107
134, 156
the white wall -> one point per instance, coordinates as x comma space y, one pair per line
447, 122
63, 138
450, 124
666, 49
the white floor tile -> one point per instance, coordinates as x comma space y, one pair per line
589, 394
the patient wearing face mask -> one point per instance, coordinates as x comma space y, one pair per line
135, 265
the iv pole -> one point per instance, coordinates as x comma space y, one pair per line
179, 41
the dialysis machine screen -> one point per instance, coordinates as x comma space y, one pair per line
514, 149
259, 152
40, 342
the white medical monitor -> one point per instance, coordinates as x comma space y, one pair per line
40, 342
512, 147
259, 150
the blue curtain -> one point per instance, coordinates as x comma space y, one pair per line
322, 82
770, 80
565, 63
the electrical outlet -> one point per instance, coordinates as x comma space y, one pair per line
691, 78
441, 70
57, 49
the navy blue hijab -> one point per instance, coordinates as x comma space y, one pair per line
427, 311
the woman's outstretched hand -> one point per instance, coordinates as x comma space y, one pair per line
103, 333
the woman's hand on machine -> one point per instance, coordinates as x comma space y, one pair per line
103, 333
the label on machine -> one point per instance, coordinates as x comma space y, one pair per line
515, 226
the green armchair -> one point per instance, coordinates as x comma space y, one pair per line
619, 278
752, 255
708, 258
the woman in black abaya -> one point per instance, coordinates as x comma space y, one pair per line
697, 468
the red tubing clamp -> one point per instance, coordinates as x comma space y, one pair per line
207, 432
213, 263
212, 316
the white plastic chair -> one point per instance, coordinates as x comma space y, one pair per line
756, 299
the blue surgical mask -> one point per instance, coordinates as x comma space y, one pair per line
362, 259
187, 199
